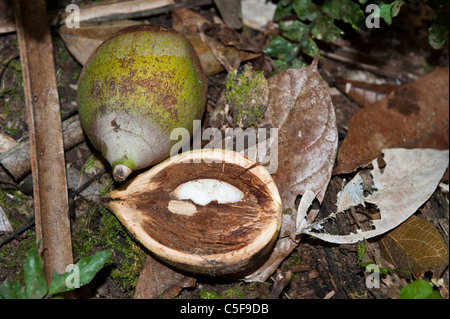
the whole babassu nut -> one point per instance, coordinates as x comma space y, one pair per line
136, 87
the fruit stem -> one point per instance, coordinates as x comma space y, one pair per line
121, 172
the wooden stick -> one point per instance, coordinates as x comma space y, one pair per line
17, 160
46, 143
114, 10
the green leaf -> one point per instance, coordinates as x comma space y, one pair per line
390, 10
419, 289
310, 47
280, 65
282, 12
294, 30
380, 270
305, 9
345, 10
11, 290
80, 274
35, 283
281, 48
324, 29
437, 35
439, 25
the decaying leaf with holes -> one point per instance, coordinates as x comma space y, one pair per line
417, 246
408, 180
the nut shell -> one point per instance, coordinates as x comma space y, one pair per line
213, 239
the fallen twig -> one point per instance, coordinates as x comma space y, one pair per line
46, 142
113, 10
17, 160
281, 280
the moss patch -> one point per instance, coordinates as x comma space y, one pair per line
101, 230
240, 290
246, 94
18, 209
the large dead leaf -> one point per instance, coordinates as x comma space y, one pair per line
417, 246
413, 116
210, 50
300, 106
409, 179
159, 281
81, 42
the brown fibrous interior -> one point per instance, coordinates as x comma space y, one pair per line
215, 228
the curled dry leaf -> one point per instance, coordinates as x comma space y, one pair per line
365, 93
300, 106
81, 42
413, 116
417, 246
6, 142
209, 50
159, 281
409, 179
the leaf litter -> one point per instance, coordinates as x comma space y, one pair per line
298, 177
300, 106
408, 180
415, 115
416, 245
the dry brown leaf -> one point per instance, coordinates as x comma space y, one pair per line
413, 116
417, 246
6, 142
300, 106
81, 42
189, 23
159, 281
231, 12
364, 93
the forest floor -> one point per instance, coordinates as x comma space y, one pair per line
313, 270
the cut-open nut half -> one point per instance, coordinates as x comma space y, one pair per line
211, 212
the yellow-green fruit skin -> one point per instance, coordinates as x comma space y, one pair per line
137, 86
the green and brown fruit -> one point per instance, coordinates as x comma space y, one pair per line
136, 87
